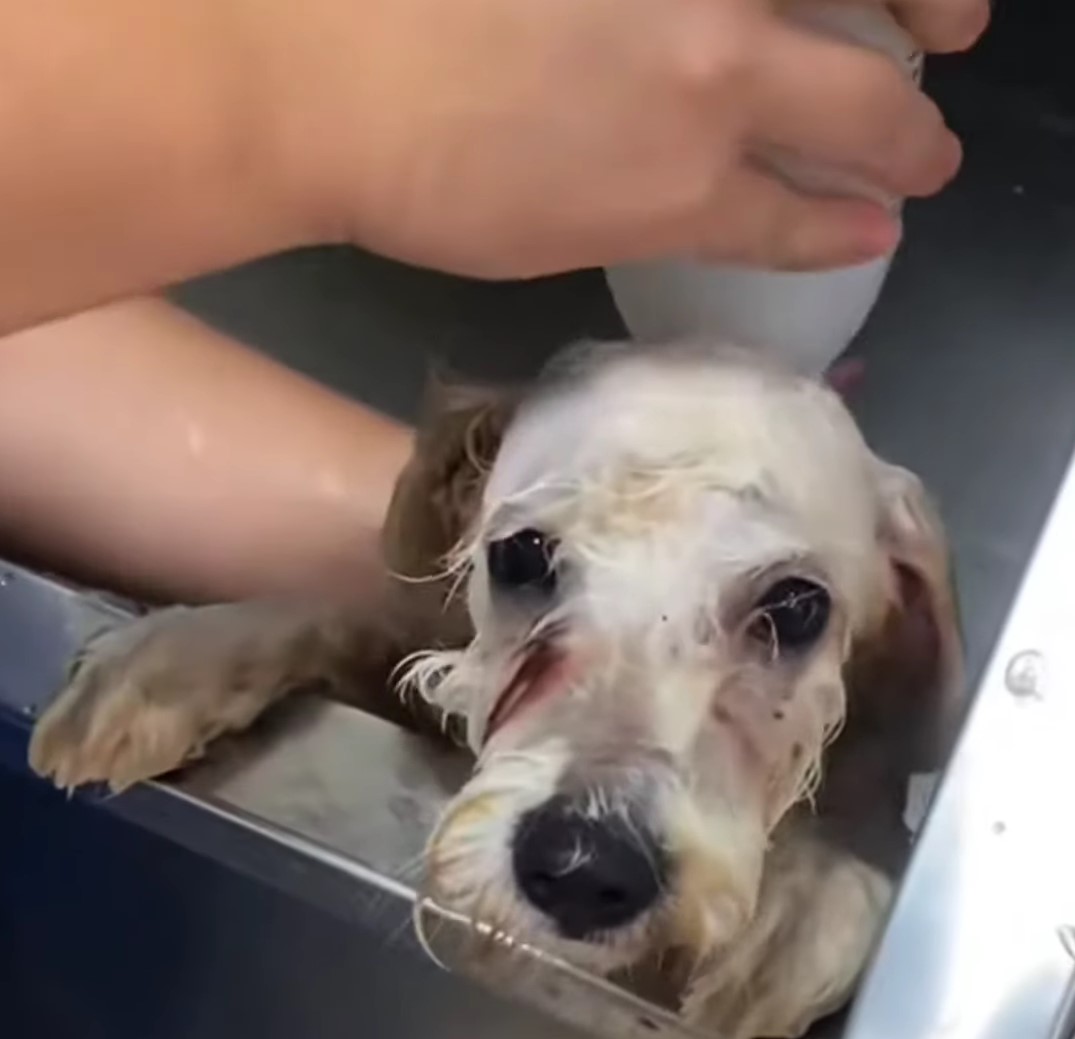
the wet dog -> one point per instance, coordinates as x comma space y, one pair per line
695, 633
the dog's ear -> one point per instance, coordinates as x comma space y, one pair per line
904, 681
911, 669
438, 494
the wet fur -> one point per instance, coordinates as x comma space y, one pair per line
146, 698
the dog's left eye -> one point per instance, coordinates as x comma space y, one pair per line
792, 615
523, 560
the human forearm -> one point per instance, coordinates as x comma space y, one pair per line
145, 141
135, 151
145, 452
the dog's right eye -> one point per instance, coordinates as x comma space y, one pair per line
523, 560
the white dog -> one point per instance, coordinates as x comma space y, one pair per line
706, 637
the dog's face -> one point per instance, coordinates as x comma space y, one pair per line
672, 560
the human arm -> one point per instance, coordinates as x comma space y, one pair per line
144, 452
132, 153
147, 141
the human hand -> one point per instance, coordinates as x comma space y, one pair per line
943, 26
504, 138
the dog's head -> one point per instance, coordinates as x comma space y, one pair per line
672, 561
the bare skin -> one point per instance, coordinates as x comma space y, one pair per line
142, 451
146, 141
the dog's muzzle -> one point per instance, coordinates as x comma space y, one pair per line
587, 870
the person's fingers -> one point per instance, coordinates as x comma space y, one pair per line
937, 26
758, 221
850, 108
943, 26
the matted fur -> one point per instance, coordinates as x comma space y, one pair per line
677, 484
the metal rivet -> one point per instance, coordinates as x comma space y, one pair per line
1025, 675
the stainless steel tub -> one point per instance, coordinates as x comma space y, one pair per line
269, 893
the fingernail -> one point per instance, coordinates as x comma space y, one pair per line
879, 235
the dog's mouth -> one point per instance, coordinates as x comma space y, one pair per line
534, 678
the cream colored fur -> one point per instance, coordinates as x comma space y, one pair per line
676, 483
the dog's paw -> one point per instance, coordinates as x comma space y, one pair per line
145, 698
818, 916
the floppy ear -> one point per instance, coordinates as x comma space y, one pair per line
904, 680
911, 668
438, 494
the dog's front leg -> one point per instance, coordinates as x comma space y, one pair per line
145, 697
819, 913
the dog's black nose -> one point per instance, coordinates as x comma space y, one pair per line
586, 874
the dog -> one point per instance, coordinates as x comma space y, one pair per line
696, 635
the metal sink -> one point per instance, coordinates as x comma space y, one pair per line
269, 892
